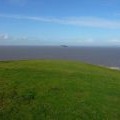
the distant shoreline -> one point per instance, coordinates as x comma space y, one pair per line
110, 67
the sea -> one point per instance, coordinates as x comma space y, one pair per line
103, 56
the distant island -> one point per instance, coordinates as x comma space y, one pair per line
64, 46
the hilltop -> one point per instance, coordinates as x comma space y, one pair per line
58, 90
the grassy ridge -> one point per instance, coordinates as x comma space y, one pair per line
58, 90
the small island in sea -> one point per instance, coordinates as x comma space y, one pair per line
64, 46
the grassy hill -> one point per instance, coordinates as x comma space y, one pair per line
58, 90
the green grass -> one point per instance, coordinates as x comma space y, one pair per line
58, 90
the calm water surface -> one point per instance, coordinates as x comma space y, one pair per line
107, 56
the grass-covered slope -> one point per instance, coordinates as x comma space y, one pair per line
58, 90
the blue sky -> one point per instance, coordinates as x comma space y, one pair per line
56, 22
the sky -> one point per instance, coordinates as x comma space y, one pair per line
58, 22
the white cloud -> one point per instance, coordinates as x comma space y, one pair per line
115, 41
89, 40
81, 40
3, 37
77, 21
94, 22
6, 39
